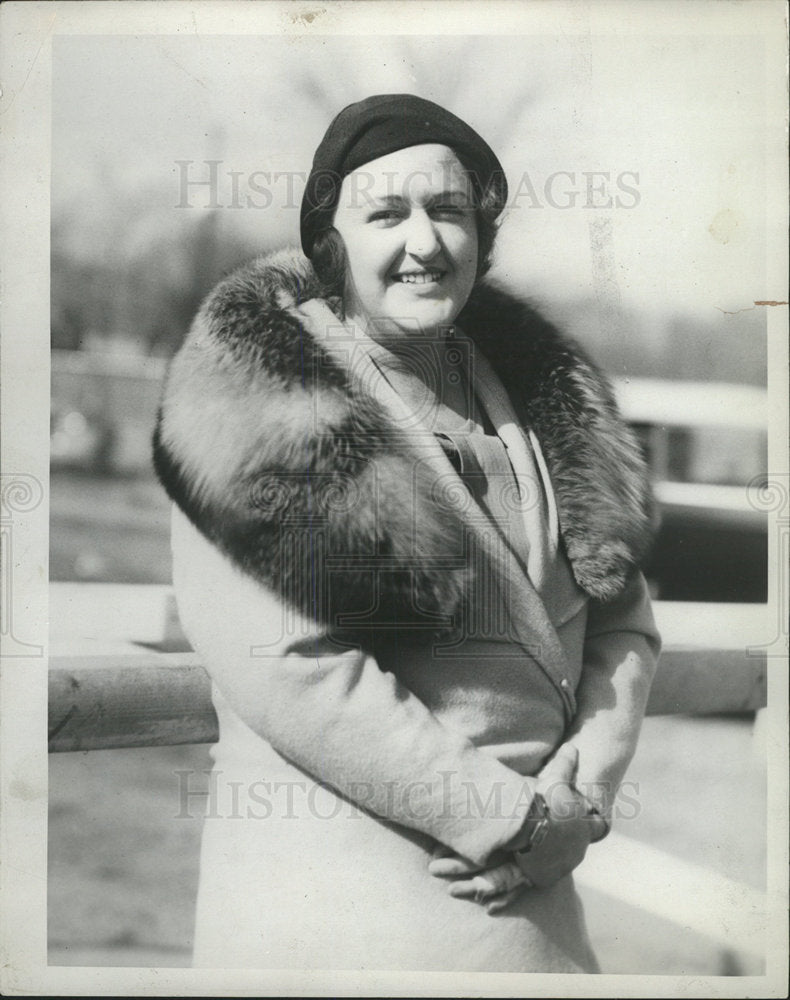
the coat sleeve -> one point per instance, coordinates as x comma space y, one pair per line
620, 656
334, 713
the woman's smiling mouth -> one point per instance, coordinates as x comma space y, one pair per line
419, 277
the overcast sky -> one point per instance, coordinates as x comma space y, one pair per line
678, 124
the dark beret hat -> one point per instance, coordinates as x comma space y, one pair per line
380, 125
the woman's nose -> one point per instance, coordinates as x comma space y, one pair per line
421, 240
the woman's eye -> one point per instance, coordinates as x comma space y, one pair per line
385, 215
450, 211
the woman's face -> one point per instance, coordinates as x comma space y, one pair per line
410, 232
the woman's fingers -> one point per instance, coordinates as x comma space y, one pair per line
452, 866
446, 863
600, 827
497, 886
492, 882
505, 899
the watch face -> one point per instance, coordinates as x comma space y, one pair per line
536, 824
539, 834
538, 808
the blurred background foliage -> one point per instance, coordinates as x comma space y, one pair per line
658, 281
636, 221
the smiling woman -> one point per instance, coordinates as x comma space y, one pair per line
406, 541
413, 254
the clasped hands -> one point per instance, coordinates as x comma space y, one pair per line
573, 825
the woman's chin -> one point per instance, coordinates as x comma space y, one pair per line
425, 319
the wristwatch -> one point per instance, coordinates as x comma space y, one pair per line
536, 824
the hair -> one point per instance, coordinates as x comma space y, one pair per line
329, 252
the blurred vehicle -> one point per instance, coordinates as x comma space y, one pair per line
707, 446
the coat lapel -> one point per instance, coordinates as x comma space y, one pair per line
529, 619
548, 567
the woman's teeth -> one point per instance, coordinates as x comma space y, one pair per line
418, 277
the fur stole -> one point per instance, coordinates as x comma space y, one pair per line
293, 470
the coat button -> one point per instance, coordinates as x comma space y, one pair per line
565, 684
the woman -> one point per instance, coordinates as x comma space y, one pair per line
406, 551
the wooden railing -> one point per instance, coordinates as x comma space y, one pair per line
124, 675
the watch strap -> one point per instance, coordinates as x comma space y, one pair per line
536, 824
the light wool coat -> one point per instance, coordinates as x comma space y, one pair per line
314, 515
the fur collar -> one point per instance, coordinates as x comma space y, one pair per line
294, 471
